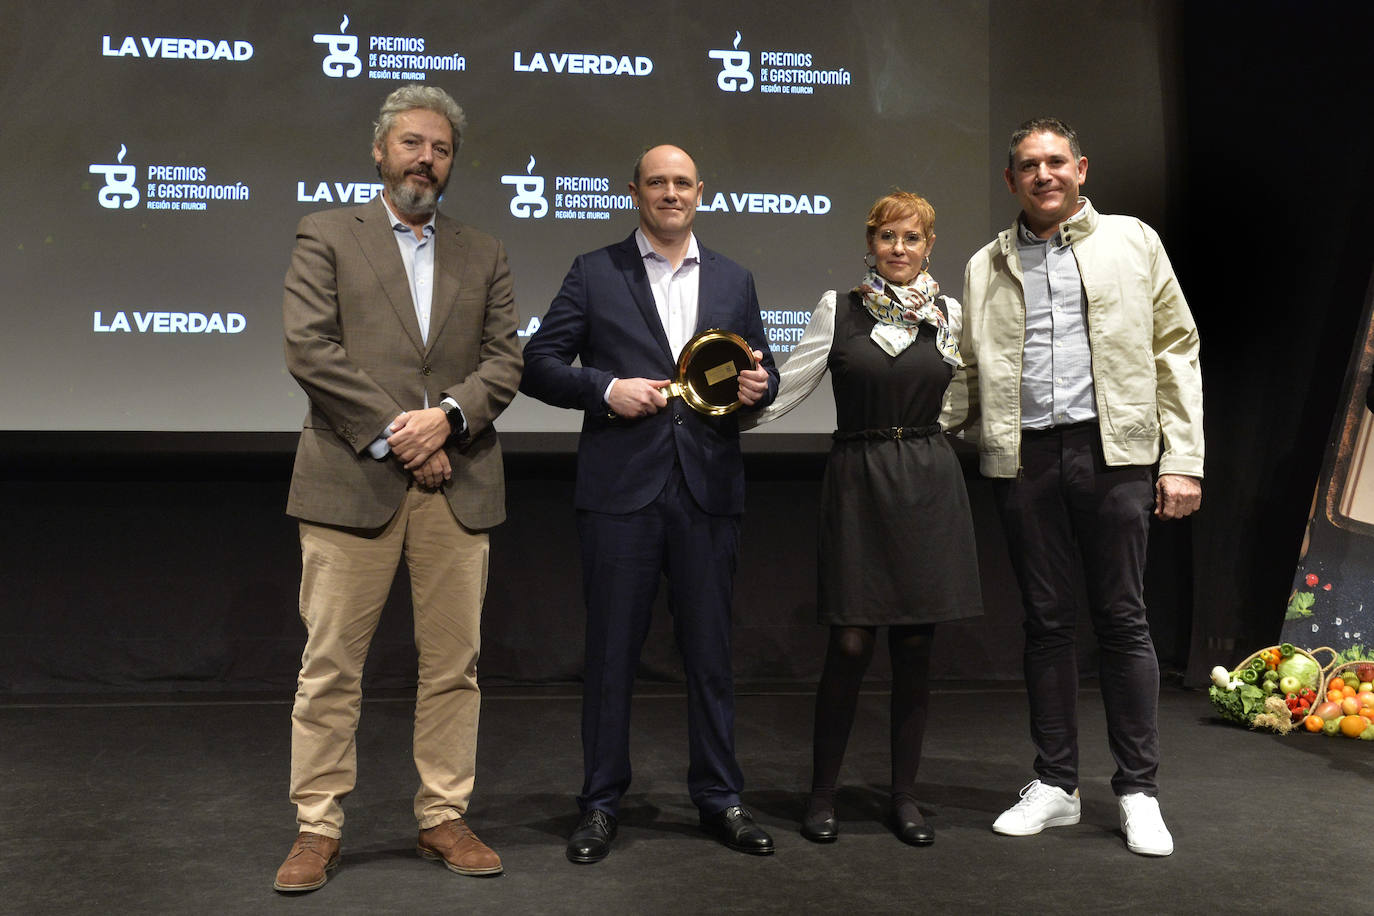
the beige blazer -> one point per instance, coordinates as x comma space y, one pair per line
353, 343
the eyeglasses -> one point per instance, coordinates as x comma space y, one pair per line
889, 239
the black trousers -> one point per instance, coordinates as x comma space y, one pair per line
1069, 510
623, 559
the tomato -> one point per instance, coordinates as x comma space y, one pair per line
1311, 580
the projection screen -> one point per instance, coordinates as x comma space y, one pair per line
159, 155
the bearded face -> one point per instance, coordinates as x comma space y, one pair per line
413, 189
415, 161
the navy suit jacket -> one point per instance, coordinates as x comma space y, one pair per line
604, 317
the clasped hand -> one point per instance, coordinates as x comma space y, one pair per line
417, 438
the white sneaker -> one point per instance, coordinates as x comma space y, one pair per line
1143, 825
1040, 806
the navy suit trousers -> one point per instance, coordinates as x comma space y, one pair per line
623, 559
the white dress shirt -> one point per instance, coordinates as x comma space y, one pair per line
674, 292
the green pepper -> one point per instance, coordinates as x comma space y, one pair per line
1287, 650
1250, 675
1257, 665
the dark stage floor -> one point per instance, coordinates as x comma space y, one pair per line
179, 806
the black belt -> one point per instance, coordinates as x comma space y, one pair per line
1061, 429
887, 432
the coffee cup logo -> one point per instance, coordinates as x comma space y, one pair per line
342, 59
528, 202
119, 190
735, 75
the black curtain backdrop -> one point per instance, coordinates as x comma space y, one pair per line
129, 569
1272, 246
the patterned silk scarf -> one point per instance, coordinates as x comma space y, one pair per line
900, 310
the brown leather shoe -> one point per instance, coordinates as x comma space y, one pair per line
308, 864
455, 843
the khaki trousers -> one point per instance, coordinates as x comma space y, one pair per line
345, 580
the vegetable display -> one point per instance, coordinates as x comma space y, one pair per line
1281, 689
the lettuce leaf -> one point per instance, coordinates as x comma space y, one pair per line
1239, 705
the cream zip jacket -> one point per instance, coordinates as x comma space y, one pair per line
1141, 335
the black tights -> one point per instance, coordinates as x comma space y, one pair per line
846, 659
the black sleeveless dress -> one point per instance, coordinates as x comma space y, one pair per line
896, 538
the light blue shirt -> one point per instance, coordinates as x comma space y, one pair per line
418, 257
1056, 364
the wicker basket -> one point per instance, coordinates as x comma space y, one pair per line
1310, 653
1321, 681
1334, 670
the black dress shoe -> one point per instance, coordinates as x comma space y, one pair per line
819, 824
735, 828
910, 827
591, 839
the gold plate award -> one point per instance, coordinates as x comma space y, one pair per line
708, 372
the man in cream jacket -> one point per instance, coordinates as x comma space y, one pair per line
1082, 375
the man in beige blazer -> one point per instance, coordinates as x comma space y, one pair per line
400, 326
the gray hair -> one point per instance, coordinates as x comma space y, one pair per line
1043, 126
411, 97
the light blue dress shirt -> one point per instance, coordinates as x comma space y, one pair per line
418, 256
1056, 364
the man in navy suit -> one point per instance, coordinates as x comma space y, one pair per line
660, 487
